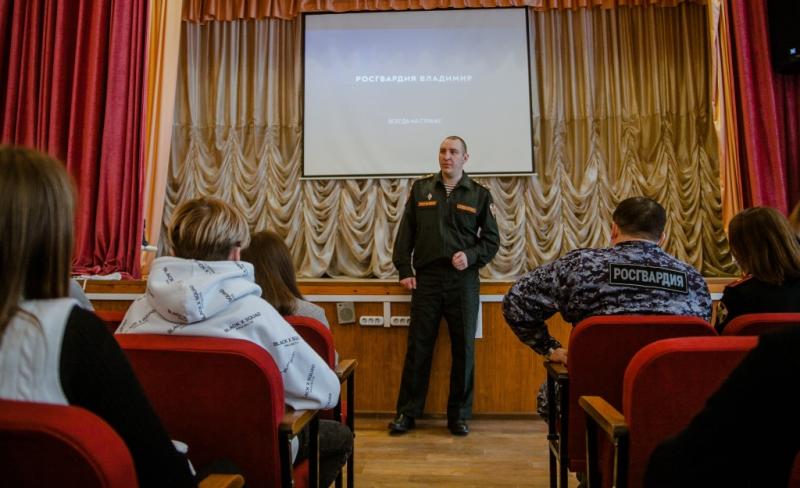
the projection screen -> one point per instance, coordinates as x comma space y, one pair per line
382, 89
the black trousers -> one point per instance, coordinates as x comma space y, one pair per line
442, 291
335, 446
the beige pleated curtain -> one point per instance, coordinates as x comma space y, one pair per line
622, 108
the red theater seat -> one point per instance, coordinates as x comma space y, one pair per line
665, 385
320, 339
599, 351
761, 323
224, 398
58, 445
112, 318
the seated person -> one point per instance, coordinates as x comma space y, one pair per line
748, 434
763, 244
274, 271
633, 276
204, 290
70, 357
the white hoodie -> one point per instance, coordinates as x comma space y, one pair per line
221, 299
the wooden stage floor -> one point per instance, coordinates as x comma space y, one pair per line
496, 453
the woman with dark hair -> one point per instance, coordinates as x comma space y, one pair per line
275, 275
52, 350
768, 253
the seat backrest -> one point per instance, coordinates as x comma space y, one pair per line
600, 349
681, 373
222, 397
59, 445
316, 335
112, 318
761, 323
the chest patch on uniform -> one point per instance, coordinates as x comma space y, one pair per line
427, 203
647, 277
466, 208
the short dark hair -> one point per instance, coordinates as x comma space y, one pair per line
457, 138
640, 217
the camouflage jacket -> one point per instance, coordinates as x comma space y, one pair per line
633, 277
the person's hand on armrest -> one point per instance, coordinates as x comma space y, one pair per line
558, 355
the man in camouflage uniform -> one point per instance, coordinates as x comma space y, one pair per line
634, 276
449, 228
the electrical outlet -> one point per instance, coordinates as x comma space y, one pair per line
400, 321
371, 320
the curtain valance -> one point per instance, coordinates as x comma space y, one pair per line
201, 11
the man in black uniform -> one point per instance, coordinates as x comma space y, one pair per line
449, 227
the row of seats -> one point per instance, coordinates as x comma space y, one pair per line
634, 364
222, 397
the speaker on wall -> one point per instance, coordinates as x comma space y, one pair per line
784, 35
345, 312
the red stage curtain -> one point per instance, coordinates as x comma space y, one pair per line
71, 84
769, 113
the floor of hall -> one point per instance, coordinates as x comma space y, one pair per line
496, 453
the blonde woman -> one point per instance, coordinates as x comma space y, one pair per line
204, 289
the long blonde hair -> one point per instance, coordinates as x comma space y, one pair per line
37, 202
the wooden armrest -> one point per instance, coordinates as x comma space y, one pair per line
222, 481
296, 420
345, 369
605, 416
556, 370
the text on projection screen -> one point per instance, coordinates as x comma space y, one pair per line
383, 89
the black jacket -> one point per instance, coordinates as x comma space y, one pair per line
435, 226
